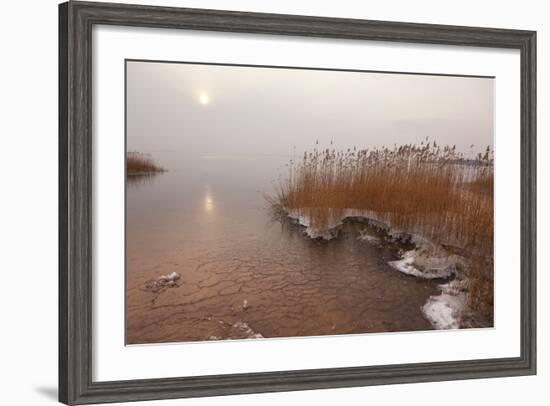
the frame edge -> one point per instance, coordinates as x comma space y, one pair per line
75, 353
529, 200
63, 269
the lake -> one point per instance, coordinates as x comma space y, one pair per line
244, 273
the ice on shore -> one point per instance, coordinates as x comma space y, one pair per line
428, 260
237, 331
163, 282
327, 233
336, 220
446, 310
365, 236
443, 311
406, 264
241, 329
171, 277
428, 266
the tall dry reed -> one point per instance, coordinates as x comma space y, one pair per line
425, 189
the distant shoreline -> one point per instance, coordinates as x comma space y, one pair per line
146, 173
139, 164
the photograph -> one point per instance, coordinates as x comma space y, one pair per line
278, 202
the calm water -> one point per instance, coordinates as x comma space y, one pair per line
244, 273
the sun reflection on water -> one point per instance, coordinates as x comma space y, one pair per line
208, 203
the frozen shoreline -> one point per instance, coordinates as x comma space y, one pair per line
427, 260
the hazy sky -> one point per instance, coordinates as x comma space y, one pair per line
204, 110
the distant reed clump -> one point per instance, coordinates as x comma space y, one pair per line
141, 164
425, 189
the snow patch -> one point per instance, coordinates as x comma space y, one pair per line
406, 264
446, 310
422, 265
242, 330
327, 233
430, 261
163, 282
171, 277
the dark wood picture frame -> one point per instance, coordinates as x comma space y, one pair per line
76, 20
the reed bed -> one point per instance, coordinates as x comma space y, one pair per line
425, 189
141, 164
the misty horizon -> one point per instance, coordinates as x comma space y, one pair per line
201, 111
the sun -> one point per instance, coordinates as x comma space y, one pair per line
204, 99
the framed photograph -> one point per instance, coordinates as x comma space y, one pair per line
257, 202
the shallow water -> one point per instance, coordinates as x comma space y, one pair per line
244, 273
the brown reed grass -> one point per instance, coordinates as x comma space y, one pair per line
140, 164
425, 189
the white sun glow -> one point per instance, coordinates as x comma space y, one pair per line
204, 99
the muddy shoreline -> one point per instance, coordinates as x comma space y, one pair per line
419, 257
